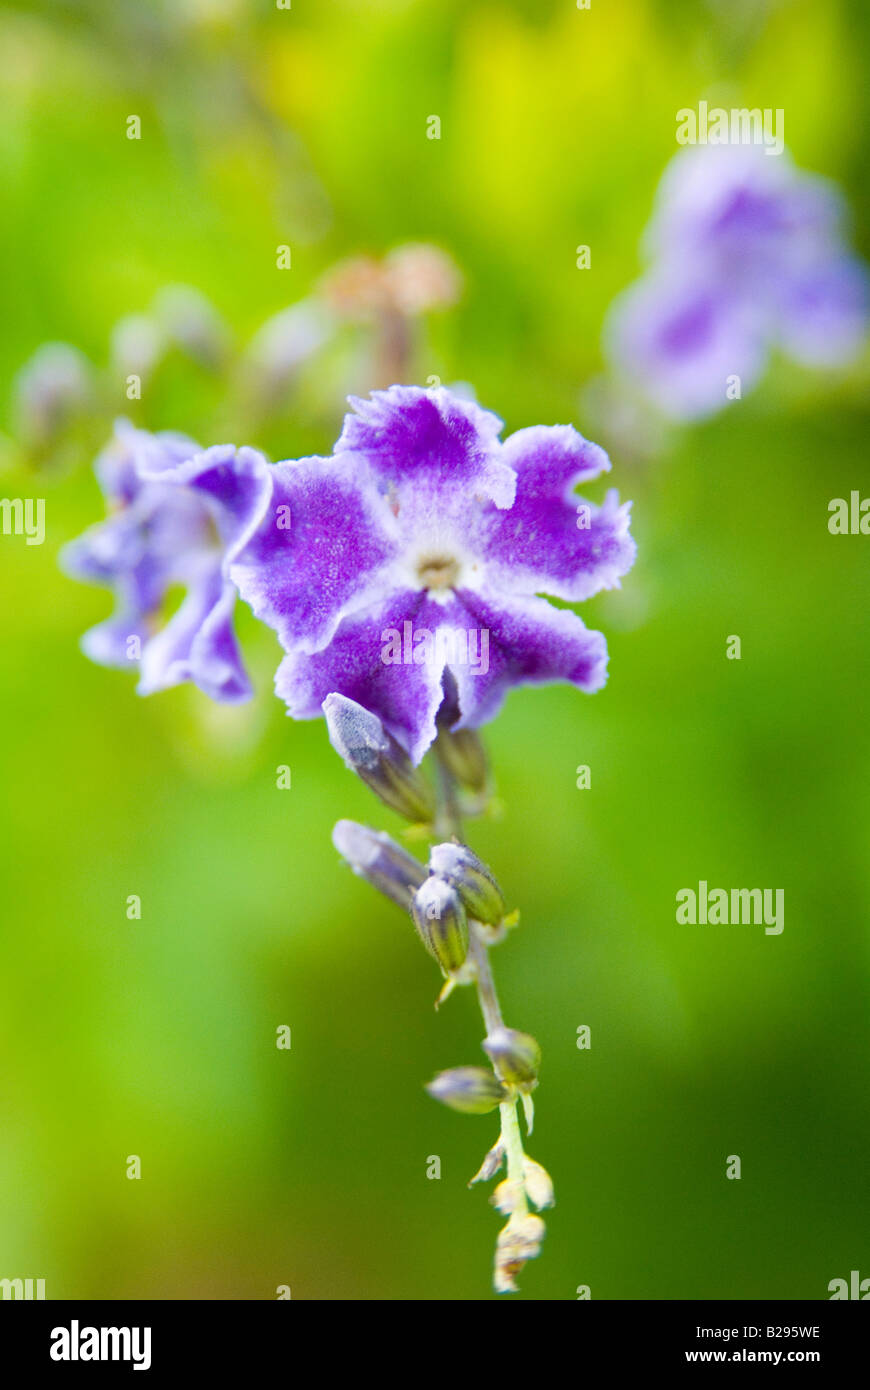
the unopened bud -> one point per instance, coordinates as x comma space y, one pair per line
472, 880
359, 737
191, 321
462, 753
441, 921
517, 1056
374, 856
470, 1090
52, 389
137, 345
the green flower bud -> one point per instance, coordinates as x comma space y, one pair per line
516, 1056
462, 753
374, 856
473, 881
359, 737
441, 921
470, 1090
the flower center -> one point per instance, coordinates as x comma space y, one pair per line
438, 571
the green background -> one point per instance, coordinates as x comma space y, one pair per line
263, 1167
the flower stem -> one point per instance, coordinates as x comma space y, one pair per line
487, 995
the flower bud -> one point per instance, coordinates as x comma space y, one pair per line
374, 856
52, 390
473, 881
359, 737
137, 345
470, 1090
516, 1056
191, 321
462, 753
441, 921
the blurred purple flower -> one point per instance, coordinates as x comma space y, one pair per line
424, 525
178, 515
747, 253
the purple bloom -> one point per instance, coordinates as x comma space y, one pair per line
680, 340
411, 561
178, 515
747, 253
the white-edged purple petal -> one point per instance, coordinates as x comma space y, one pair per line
550, 540
180, 516
423, 442
522, 641
198, 644
319, 551
235, 486
357, 663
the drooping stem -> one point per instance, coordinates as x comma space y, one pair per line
511, 1136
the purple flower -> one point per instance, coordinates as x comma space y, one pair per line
409, 564
681, 341
178, 515
747, 253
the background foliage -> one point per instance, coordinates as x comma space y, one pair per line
263, 1167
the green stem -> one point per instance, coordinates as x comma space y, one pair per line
487, 995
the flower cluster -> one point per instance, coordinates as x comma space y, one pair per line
746, 253
421, 526
422, 523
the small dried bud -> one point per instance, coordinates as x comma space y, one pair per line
507, 1195
470, 1090
374, 856
357, 288
517, 1056
491, 1164
359, 737
519, 1241
422, 277
538, 1184
441, 921
472, 880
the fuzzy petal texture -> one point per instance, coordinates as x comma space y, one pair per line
432, 440
528, 642
550, 540
321, 550
405, 695
406, 579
